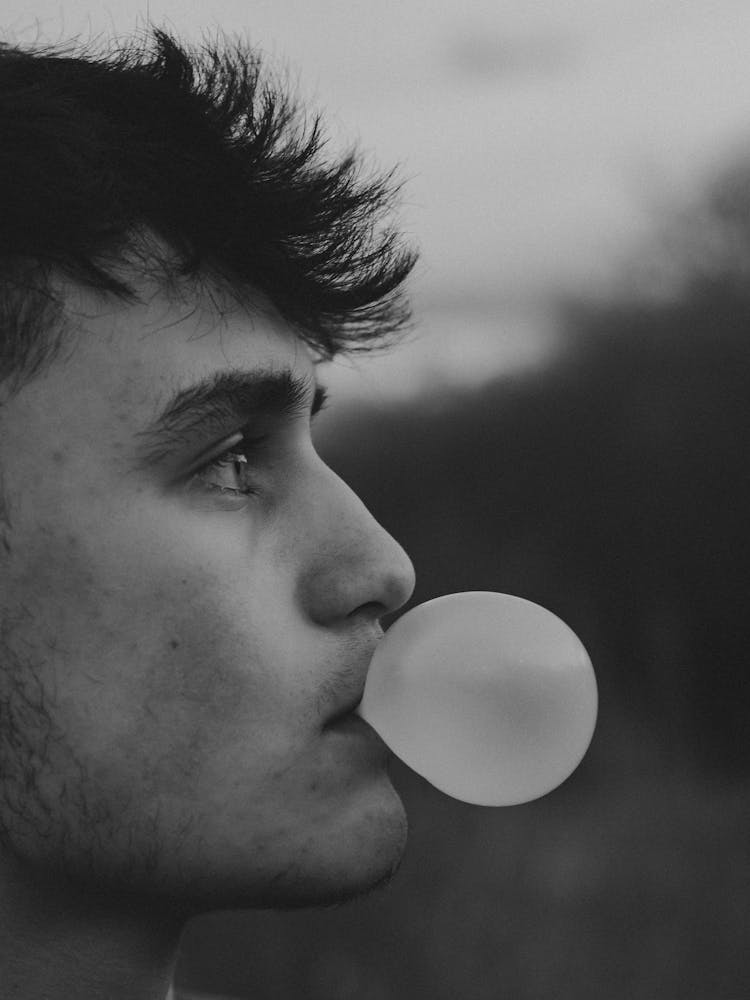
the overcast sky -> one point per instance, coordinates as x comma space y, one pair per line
536, 138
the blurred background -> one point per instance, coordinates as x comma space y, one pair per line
568, 422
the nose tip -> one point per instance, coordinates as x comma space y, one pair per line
352, 565
365, 584
400, 585
364, 573
390, 585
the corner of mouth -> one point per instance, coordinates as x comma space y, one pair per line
344, 713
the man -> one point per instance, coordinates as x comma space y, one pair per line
189, 597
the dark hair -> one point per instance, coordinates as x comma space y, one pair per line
100, 153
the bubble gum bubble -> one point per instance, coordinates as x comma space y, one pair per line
489, 697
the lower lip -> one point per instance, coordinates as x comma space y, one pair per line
355, 726
349, 722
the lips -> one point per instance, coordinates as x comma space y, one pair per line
344, 713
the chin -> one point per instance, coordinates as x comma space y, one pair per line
329, 867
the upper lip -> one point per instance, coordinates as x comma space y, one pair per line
357, 667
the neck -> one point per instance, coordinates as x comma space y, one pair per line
58, 940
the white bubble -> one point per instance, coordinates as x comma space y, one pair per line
489, 697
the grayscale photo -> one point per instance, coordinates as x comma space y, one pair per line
374, 491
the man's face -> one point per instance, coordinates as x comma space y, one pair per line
179, 635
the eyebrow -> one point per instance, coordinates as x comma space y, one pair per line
215, 403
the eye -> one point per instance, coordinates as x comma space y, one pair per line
229, 473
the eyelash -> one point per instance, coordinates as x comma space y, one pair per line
246, 449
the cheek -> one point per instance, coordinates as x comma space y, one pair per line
129, 646
200, 676
170, 659
222, 700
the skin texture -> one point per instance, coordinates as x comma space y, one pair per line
172, 661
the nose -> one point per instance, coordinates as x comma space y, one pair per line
353, 566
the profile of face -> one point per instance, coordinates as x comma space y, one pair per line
189, 602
